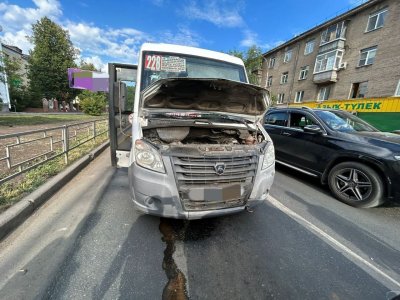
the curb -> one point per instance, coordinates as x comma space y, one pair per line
19, 212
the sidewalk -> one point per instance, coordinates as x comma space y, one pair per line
19, 212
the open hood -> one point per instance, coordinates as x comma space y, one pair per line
216, 95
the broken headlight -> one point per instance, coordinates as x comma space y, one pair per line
148, 157
269, 156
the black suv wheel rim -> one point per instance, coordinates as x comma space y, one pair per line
353, 184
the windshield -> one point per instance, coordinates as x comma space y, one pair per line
157, 66
344, 122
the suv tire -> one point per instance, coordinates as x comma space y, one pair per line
356, 184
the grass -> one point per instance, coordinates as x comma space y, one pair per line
13, 191
39, 119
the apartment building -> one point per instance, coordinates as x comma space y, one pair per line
354, 55
11, 52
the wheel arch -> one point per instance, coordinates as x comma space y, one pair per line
370, 162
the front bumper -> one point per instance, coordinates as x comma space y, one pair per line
157, 194
392, 171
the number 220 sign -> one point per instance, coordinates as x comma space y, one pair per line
153, 62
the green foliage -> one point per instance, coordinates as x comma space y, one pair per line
237, 53
252, 59
92, 103
130, 97
83, 65
52, 55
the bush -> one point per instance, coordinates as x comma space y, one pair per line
92, 103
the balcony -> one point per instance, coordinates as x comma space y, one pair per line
325, 77
336, 44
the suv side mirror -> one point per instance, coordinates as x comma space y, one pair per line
312, 129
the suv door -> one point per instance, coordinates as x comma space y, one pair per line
275, 122
306, 150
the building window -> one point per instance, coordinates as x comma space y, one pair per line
334, 32
284, 77
271, 63
376, 20
269, 81
359, 89
367, 56
309, 47
328, 61
397, 92
288, 56
299, 97
281, 97
304, 72
323, 93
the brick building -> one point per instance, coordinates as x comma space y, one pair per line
354, 55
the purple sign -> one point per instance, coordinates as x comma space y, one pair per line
87, 80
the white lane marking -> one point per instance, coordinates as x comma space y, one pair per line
332, 240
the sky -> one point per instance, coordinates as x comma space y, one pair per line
113, 31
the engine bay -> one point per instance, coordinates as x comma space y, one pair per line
202, 135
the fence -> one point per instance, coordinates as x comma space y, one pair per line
21, 152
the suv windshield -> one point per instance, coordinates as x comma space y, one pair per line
163, 65
344, 122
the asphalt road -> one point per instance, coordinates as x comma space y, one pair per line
88, 242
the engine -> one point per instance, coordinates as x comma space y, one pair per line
199, 135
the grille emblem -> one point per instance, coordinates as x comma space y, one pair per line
219, 168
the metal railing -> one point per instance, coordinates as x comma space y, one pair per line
23, 151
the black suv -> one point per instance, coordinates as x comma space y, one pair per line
360, 164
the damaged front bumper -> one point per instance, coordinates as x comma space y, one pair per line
159, 193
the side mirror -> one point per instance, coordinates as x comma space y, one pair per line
312, 129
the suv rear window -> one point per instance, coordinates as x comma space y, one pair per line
277, 118
300, 120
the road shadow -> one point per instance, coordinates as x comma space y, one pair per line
381, 252
137, 265
310, 181
267, 255
315, 183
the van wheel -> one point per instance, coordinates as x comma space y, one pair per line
356, 184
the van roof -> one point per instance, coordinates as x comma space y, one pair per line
170, 48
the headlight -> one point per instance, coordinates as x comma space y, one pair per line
148, 157
397, 157
269, 156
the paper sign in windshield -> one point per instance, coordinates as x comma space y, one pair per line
173, 64
165, 63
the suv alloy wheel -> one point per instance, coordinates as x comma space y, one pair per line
356, 184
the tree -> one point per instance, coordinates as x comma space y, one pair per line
92, 103
83, 65
252, 59
52, 55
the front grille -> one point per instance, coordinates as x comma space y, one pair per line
193, 172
